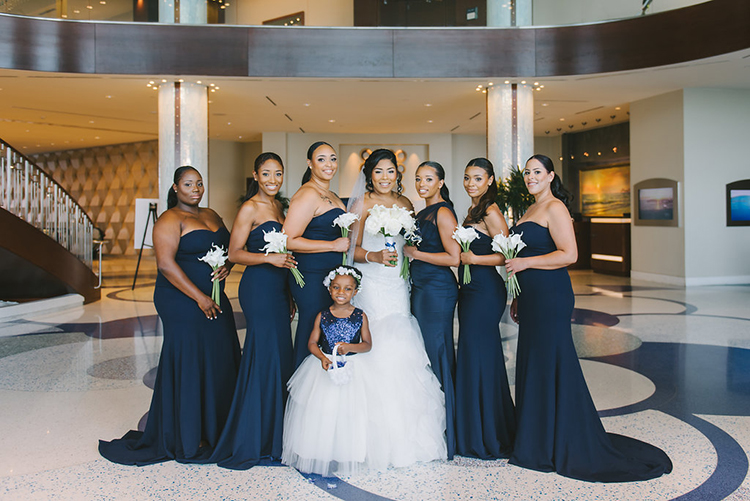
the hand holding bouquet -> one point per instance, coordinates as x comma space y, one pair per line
389, 222
509, 247
276, 242
345, 221
464, 235
215, 258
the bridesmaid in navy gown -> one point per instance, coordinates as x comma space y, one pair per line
485, 417
200, 354
253, 431
434, 289
558, 426
317, 244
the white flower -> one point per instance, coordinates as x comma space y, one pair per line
508, 246
215, 257
345, 220
388, 221
343, 270
500, 243
516, 242
276, 241
465, 235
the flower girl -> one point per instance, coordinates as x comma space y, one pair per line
326, 414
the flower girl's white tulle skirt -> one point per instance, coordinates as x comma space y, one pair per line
325, 425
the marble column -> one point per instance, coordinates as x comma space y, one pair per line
510, 106
183, 11
183, 133
510, 126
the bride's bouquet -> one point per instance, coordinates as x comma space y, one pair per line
464, 235
509, 247
345, 221
215, 258
276, 242
390, 222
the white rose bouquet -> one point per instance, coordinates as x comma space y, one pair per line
215, 258
390, 222
509, 247
345, 221
464, 235
276, 242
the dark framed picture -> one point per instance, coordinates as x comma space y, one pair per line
738, 203
656, 203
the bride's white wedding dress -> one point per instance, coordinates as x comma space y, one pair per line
405, 405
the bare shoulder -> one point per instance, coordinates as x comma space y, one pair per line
305, 194
170, 220
445, 212
405, 202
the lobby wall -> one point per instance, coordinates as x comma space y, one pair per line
716, 136
105, 181
657, 149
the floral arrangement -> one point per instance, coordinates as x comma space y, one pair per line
276, 242
345, 221
390, 222
464, 235
215, 258
343, 270
413, 237
509, 247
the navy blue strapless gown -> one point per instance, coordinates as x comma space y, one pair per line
558, 426
313, 297
434, 294
253, 431
485, 417
197, 368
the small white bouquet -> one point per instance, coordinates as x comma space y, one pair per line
276, 242
345, 221
464, 235
390, 222
413, 237
509, 247
215, 258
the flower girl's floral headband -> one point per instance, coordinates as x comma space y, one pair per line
344, 270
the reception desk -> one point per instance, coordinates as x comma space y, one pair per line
610, 246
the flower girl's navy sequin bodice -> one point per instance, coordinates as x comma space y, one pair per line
339, 330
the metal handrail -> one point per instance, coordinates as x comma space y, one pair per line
31, 194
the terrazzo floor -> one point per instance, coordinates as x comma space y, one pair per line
667, 365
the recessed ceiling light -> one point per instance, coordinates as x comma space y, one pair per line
108, 97
307, 104
429, 121
562, 119
426, 104
332, 121
617, 107
545, 104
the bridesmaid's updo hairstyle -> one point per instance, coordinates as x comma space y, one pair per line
373, 160
477, 213
556, 186
441, 176
172, 194
310, 152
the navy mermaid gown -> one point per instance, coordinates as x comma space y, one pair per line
254, 428
197, 368
558, 426
433, 302
485, 418
313, 297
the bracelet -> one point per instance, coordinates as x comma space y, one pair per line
366, 259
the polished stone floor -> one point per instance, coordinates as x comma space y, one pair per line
667, 365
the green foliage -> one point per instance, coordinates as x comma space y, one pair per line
512, 194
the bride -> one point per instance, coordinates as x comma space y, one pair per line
406, 406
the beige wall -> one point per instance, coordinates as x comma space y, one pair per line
557, 12
317, 12
657, 150
226, 178
551, 147
717, 122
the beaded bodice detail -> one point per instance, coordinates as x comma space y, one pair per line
339, 330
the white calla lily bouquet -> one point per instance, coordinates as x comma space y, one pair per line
215, 258
276, 242
464, 235
509, 247
345, 221
390, 222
